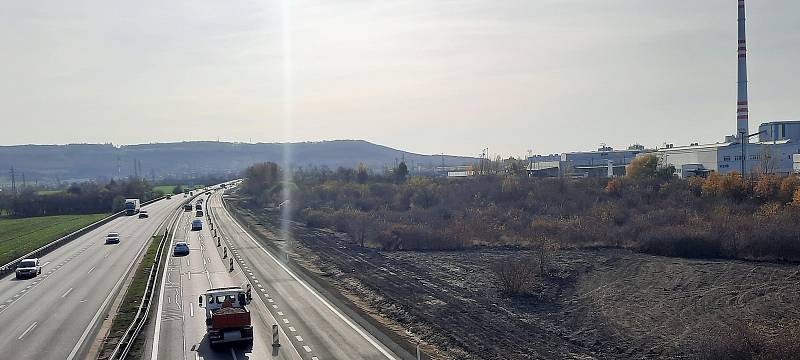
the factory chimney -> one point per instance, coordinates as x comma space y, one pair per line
742, 126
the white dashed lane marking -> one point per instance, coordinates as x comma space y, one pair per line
27, 331
306, 348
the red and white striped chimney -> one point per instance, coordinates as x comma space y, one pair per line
742, 125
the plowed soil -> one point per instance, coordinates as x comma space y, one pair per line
593, 304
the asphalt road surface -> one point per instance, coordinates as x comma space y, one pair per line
57, 314
310, 327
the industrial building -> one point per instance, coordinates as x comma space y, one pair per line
773, 152
604, 162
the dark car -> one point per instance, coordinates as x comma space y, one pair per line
199, 213
197, 225
180, 249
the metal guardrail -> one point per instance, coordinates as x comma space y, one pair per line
55, 244
129, 337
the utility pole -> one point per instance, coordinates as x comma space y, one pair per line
745, 139
13, 180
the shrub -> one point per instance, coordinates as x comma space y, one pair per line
711, 185
742, 341
788, 186
614, 187
642, 167
514, 276
680, 242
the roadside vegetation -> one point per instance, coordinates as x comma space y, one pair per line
83, 198
174, 189
648, 211
549, 254
21, 236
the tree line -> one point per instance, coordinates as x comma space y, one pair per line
649, 210
78, 198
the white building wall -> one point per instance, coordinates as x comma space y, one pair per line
726, 158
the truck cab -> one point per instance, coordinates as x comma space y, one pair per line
227, 317
132, 206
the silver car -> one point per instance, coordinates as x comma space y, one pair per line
112, 238
28, 268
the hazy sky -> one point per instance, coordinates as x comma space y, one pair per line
426, 76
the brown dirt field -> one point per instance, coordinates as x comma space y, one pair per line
594, 304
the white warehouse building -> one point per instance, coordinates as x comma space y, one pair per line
770, 154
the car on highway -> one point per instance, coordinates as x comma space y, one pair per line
169, 196
28, 268
199, 213
197, 225
143, 214
187, 207
112, 238
180, 249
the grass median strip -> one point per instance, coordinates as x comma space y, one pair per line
21, 236
133, 298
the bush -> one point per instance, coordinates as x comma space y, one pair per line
514, 276
680, 242
743, 342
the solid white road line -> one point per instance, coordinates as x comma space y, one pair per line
157, 332
67, 293
319, 297
92, 269
233, 353
27, 331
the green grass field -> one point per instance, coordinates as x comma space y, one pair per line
49, 192
21, 236
167, 189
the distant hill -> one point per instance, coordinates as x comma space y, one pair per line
50, 163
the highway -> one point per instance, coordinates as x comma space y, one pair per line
57, 314
311, 328
180, 324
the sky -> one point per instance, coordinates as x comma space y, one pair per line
425, 76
